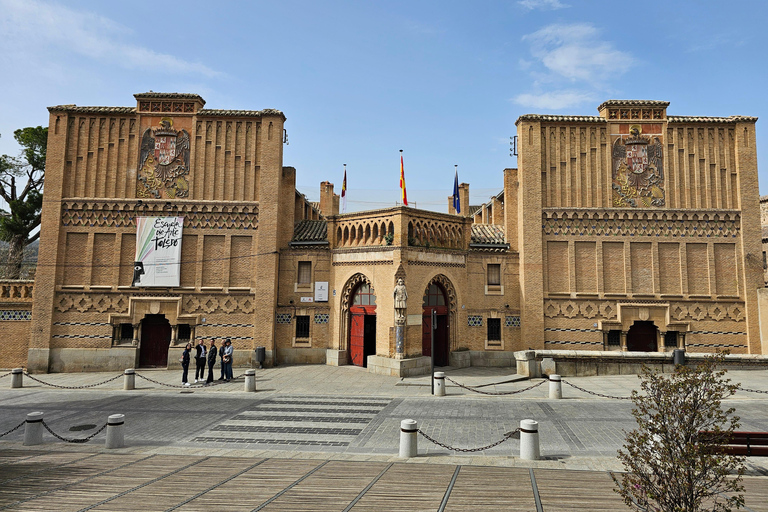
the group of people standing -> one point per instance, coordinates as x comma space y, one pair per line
208, 354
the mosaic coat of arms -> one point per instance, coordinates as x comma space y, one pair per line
638, 171
163, 162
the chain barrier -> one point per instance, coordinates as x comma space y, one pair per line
182, 386
82, 440
72, 387
509, 435
596, 394
753, 390
17, 427
5, 375
469, 388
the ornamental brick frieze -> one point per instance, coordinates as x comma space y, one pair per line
679, 311
108, 214
85, 302
119, 303
667, 223
218, 304
361, 263
15, 291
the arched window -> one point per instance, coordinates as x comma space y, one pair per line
434, 296
364, 296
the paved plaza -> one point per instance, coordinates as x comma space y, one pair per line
338, 425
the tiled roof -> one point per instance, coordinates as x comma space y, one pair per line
239, 113
92, 110
568, 119
701, 119
310, 231
473, 209
633, 103
487, 234
170, 96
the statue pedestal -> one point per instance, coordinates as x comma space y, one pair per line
399, 341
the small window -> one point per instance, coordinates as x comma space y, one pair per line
126, 333
305, 272
494, 274
302, 326
670, 339
494, 329
614, 338
184, 332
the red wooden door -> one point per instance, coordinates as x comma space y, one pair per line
441, 334
357, 338
155, 339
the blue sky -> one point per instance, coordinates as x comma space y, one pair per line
358, 81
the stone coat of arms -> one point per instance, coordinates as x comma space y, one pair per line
638, 171
163, 162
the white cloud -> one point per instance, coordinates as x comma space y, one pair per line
555, 100
33, 30
549, 5
574, 62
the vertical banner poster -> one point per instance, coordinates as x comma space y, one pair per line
158, 251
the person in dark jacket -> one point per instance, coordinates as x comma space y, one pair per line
185, 356
212, 351
200, 358
221, 357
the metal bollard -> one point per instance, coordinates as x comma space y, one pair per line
129, 379
33, 430
115, 431
408, 439
439, 383
529, 440
17, 378
555, 387
250, 380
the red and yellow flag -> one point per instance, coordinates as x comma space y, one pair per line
402, 180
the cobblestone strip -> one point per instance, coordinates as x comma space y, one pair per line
367, 488
59, 488
57, 466
119, 495
294, 484
72, 387
215, 486
75, 440
474, 390
597, 394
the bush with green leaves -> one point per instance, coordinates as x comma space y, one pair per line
670, 466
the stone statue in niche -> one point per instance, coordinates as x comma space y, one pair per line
638, 170
163, 162
401, 298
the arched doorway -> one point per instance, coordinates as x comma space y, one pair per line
642, 337
155, 339
362, 325
435, 300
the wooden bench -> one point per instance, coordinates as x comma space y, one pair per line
744, 443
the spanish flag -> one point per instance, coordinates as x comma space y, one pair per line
402, 180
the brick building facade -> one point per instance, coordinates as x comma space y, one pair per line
630, 230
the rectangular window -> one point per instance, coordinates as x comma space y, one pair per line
494, 329
494, 274
614, 338
670, 339
126, 333
184, 332
305, 272
302, 326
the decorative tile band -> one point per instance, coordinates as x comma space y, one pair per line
322, 318
83, 336
225, 325
233, 338
89, 324
283, 318
716, 332
557, 329
15, 315
573, 343
714, 345
512, 321
475, 321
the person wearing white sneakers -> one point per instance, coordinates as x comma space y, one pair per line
185, 356
200, 358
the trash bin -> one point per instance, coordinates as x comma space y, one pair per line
678, 356
261, 355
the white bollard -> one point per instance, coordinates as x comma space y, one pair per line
33, 430
439, 383
115, 431
555, 387
129, 379
408, 439
529, 440
17, 378
250, 380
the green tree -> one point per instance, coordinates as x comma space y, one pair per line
25, 198
670, 466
